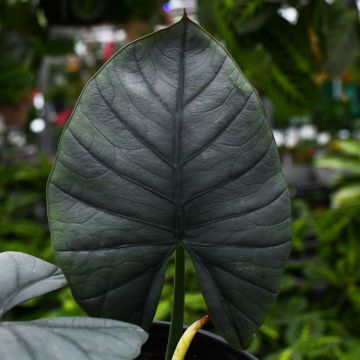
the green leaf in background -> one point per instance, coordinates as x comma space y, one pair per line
348, 147
341, 32
347, 195
169, 146
23, 277
286, 61
72, 338
340, 164
345, 161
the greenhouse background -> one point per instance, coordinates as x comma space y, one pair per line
302, 56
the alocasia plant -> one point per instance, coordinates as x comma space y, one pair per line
169, 149
23, 277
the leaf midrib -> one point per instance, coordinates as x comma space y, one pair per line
179, 110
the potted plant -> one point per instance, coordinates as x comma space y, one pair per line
169, 150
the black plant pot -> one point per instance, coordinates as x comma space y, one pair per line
205, 346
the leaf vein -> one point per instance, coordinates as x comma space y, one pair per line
218, 134
239, 246
228, 181
118, 286
232, 216
145, 142
149, 86
97, 207
221, 295
215, 74
30, 351
119, 173
114, 248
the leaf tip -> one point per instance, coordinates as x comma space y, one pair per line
185, 15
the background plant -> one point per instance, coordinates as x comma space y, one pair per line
286, 61
344, 159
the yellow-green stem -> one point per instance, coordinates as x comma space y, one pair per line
185, 341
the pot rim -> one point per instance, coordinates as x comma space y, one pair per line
210, 335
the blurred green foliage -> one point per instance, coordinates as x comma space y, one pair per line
316, 314
288, 62
22, 38
23, 227
22, 206
345, 160
88, 12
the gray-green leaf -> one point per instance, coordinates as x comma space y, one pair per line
169, 145
23, 277
70, 339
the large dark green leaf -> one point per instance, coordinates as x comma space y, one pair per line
70, 339
23, 277
168, 146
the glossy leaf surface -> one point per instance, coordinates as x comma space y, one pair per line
23, 277
169, 145
70, 339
